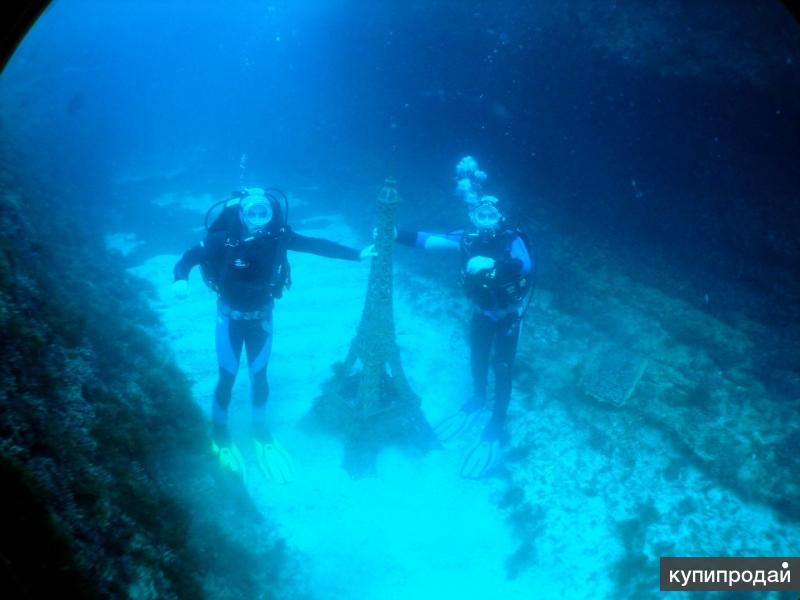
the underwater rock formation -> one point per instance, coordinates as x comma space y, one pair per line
686, 40
107, 486
702, 436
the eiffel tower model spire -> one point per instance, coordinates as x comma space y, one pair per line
369, 400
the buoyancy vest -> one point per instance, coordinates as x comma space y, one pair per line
495, 289
228, 230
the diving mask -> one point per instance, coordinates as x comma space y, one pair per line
486, 215
256, 209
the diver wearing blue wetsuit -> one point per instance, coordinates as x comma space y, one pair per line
497, 268
244, 261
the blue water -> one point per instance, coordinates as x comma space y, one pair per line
651, 153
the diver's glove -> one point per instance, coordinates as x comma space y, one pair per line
477, 264
368, 252
180, 288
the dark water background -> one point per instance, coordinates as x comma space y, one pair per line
667, 133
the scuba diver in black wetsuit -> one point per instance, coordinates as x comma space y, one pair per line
243, 259
497, 268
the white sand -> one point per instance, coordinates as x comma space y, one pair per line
123, 242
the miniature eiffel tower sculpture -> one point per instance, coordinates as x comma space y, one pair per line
369, 399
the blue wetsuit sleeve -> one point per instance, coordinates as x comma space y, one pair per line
191, 258
520, 251
320, 247
430, 241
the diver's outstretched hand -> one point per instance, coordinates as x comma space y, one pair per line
368, 252
477, 264
180, 288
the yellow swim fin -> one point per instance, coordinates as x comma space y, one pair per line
230, 460
275, 462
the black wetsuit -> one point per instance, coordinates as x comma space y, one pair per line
245, 273
499, 296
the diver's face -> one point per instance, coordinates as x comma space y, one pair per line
485, 217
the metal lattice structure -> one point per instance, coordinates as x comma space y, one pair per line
369, 399
612, 374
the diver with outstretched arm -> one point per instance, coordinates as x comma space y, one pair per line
244, 260
497, 270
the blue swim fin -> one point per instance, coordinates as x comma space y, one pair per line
275, 462
456, 424
480, 459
